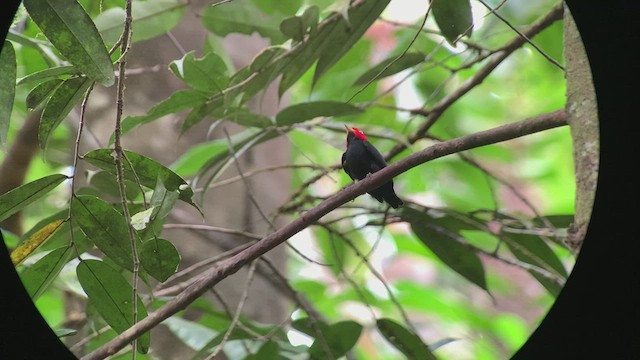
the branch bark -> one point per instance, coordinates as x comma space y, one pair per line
230, 266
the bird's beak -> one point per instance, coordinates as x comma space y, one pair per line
348, 128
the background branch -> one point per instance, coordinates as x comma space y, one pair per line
233, 264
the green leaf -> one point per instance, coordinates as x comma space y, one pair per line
533, 250
345, 35
408, 60
37, 277
245, 117
200, 112
278, 7
404, 340
50, 73
146, 170
105, 227
305, 54
453, 17
73, 33
149, 19
65, 97
178, 101
340, 337
7, 88
268, 350
192, 160
16, 199
206, 74
220, 162
265, 57
310, 18
444, 244
307, 111
107, 183
41, 93
241, 17
293, 28
111, 295
159, 258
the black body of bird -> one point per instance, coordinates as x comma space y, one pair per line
360, 159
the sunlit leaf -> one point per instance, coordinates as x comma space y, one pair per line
149, 19
453, 18
16, 199
404, 340
161, 203
192, 160
307, 111
7, 88
64, 98
105, 227
140, 220
38, 238
206, 74
37, 277
111, 295
73, 33
159, 258
192, 334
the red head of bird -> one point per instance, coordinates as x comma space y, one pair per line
354, 132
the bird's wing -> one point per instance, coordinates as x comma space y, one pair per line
378, 160
344, 165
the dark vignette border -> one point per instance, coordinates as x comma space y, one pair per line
596, 315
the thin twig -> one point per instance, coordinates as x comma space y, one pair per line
254, 201
415, 37
125, 45
236, 316
494, 12
76, 156
380, 278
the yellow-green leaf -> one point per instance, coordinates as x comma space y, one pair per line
28, 246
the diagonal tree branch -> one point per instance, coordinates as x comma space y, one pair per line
231, 265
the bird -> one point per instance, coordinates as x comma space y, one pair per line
361, 159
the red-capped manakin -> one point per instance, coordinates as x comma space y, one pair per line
360, 159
